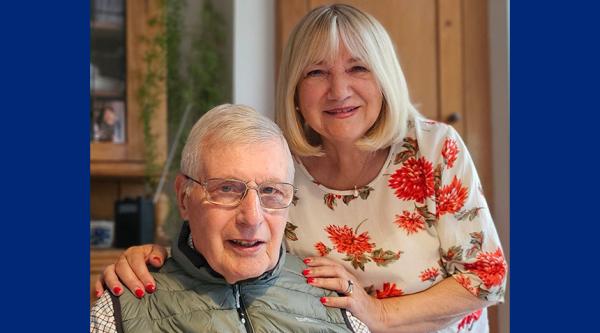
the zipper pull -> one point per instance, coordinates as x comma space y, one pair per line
236, 294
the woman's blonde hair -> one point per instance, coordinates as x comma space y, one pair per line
316, 38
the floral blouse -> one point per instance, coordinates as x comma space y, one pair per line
422, 219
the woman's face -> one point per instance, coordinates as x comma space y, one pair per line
339, 100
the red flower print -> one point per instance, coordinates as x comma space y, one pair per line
323, 250
389, 290
469, 320
490, 267
329, 200
449, 152
410, 222
430, 274
451, 198
464, 281
345, 240
414, 180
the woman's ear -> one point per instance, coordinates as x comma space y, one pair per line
181, 190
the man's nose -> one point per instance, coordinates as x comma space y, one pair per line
339, 86
251, 211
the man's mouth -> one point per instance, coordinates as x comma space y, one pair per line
246, 243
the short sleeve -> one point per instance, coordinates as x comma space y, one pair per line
470, 248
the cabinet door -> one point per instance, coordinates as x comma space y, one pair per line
117, 69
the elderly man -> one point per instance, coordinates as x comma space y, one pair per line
229, 271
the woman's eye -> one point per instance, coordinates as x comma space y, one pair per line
315, 72
358, 69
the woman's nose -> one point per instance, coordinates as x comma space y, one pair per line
339, 87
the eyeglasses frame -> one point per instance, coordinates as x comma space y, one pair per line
248, 187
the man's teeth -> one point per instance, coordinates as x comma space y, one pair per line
244, 243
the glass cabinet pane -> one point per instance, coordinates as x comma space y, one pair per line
108, 71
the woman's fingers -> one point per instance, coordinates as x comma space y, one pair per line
337, 302
328, 271
157, 256
336, 284
98, 286
111, 280
132, 271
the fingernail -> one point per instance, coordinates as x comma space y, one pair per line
306, 272
98, 293
323, 300
116, 290
150, 288
306, 261
310, 280
139, 292
157, 259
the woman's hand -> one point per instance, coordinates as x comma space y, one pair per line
328, 274
131, 269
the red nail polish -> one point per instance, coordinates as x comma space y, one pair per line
310, 280
306, 261
116, 290
150, 288
139, 292
323, 300
98, 293
306, 272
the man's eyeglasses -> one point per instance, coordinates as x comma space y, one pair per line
230, 192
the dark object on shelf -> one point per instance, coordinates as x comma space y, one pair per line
134, 222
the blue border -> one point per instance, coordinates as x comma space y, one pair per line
45, 165
554, 182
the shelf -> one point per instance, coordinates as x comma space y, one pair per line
106, 26
117, 169
108, 94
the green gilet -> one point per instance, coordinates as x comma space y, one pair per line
191, 297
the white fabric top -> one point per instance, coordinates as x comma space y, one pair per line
423, 218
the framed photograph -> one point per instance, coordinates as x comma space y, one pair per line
108, 121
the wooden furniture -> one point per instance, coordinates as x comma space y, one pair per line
126, 159
117, 169
443, 50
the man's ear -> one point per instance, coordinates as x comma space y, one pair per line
182, 196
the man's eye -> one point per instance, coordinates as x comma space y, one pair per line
268, 190
226, 188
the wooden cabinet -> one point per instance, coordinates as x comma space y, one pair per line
443, 50
119, 34
117, 72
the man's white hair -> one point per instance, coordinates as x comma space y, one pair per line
229, 124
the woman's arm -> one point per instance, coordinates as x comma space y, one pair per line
131, 269
429, 310
426, 311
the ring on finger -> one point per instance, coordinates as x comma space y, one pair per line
348, 290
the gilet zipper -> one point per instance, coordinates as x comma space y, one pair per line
241, 309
